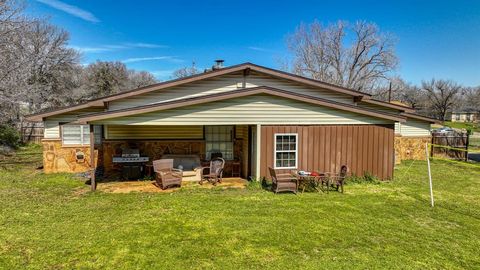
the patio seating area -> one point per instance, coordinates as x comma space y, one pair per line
301, 180
151, 186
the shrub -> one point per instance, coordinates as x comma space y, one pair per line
366, 178
469, 130
9, 136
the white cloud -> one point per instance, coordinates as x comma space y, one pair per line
114, 47
91, 49
152, 58
72, 10
145, 45
259, 49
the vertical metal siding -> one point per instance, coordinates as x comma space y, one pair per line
363, 148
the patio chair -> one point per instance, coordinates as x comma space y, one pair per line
165, 175
215, 171
337, 180
283, 181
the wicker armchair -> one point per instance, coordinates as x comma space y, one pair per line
165, 175
337, 180
283, 182
215, 171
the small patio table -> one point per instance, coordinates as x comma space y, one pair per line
307, 179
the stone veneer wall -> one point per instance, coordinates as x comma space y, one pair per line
410, 148
57, 158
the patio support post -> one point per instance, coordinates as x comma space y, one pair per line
257, 150
93, 183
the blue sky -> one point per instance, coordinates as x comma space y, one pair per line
438, 39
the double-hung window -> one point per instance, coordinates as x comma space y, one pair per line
219, 139
80, 134
286, 145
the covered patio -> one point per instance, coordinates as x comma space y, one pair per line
190, 146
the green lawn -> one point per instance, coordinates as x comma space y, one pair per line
461, 125
474, 143
54, 222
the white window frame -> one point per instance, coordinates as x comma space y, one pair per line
275, 151
82, 136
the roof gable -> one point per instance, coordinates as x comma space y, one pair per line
245, 68
236, 94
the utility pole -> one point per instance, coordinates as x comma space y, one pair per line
390, 92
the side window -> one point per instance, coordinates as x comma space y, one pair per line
286, 145
80, 134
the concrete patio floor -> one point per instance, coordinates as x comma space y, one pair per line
149, 186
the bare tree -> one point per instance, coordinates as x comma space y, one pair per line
105, 78
399, 90
471, 98
140, 79
356, 56
38, 70
50, 65
12, 24
442, 96
34, 63
186, 71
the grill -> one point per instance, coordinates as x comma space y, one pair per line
130, 156
132, 163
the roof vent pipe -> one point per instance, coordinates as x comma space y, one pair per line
218, 64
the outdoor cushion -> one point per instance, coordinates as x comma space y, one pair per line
189, 164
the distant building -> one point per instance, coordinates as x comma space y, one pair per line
464, 115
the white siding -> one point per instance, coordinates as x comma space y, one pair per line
398, 128
222, 84
52, 130
258, 79
195, 89
257, 109
52, 124
413, 128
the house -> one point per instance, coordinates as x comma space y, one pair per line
255, 117
464, 115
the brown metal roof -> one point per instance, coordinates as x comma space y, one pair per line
100, 102
421, 117
390, 105
235, 94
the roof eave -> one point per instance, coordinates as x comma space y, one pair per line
42, 115
423, 118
